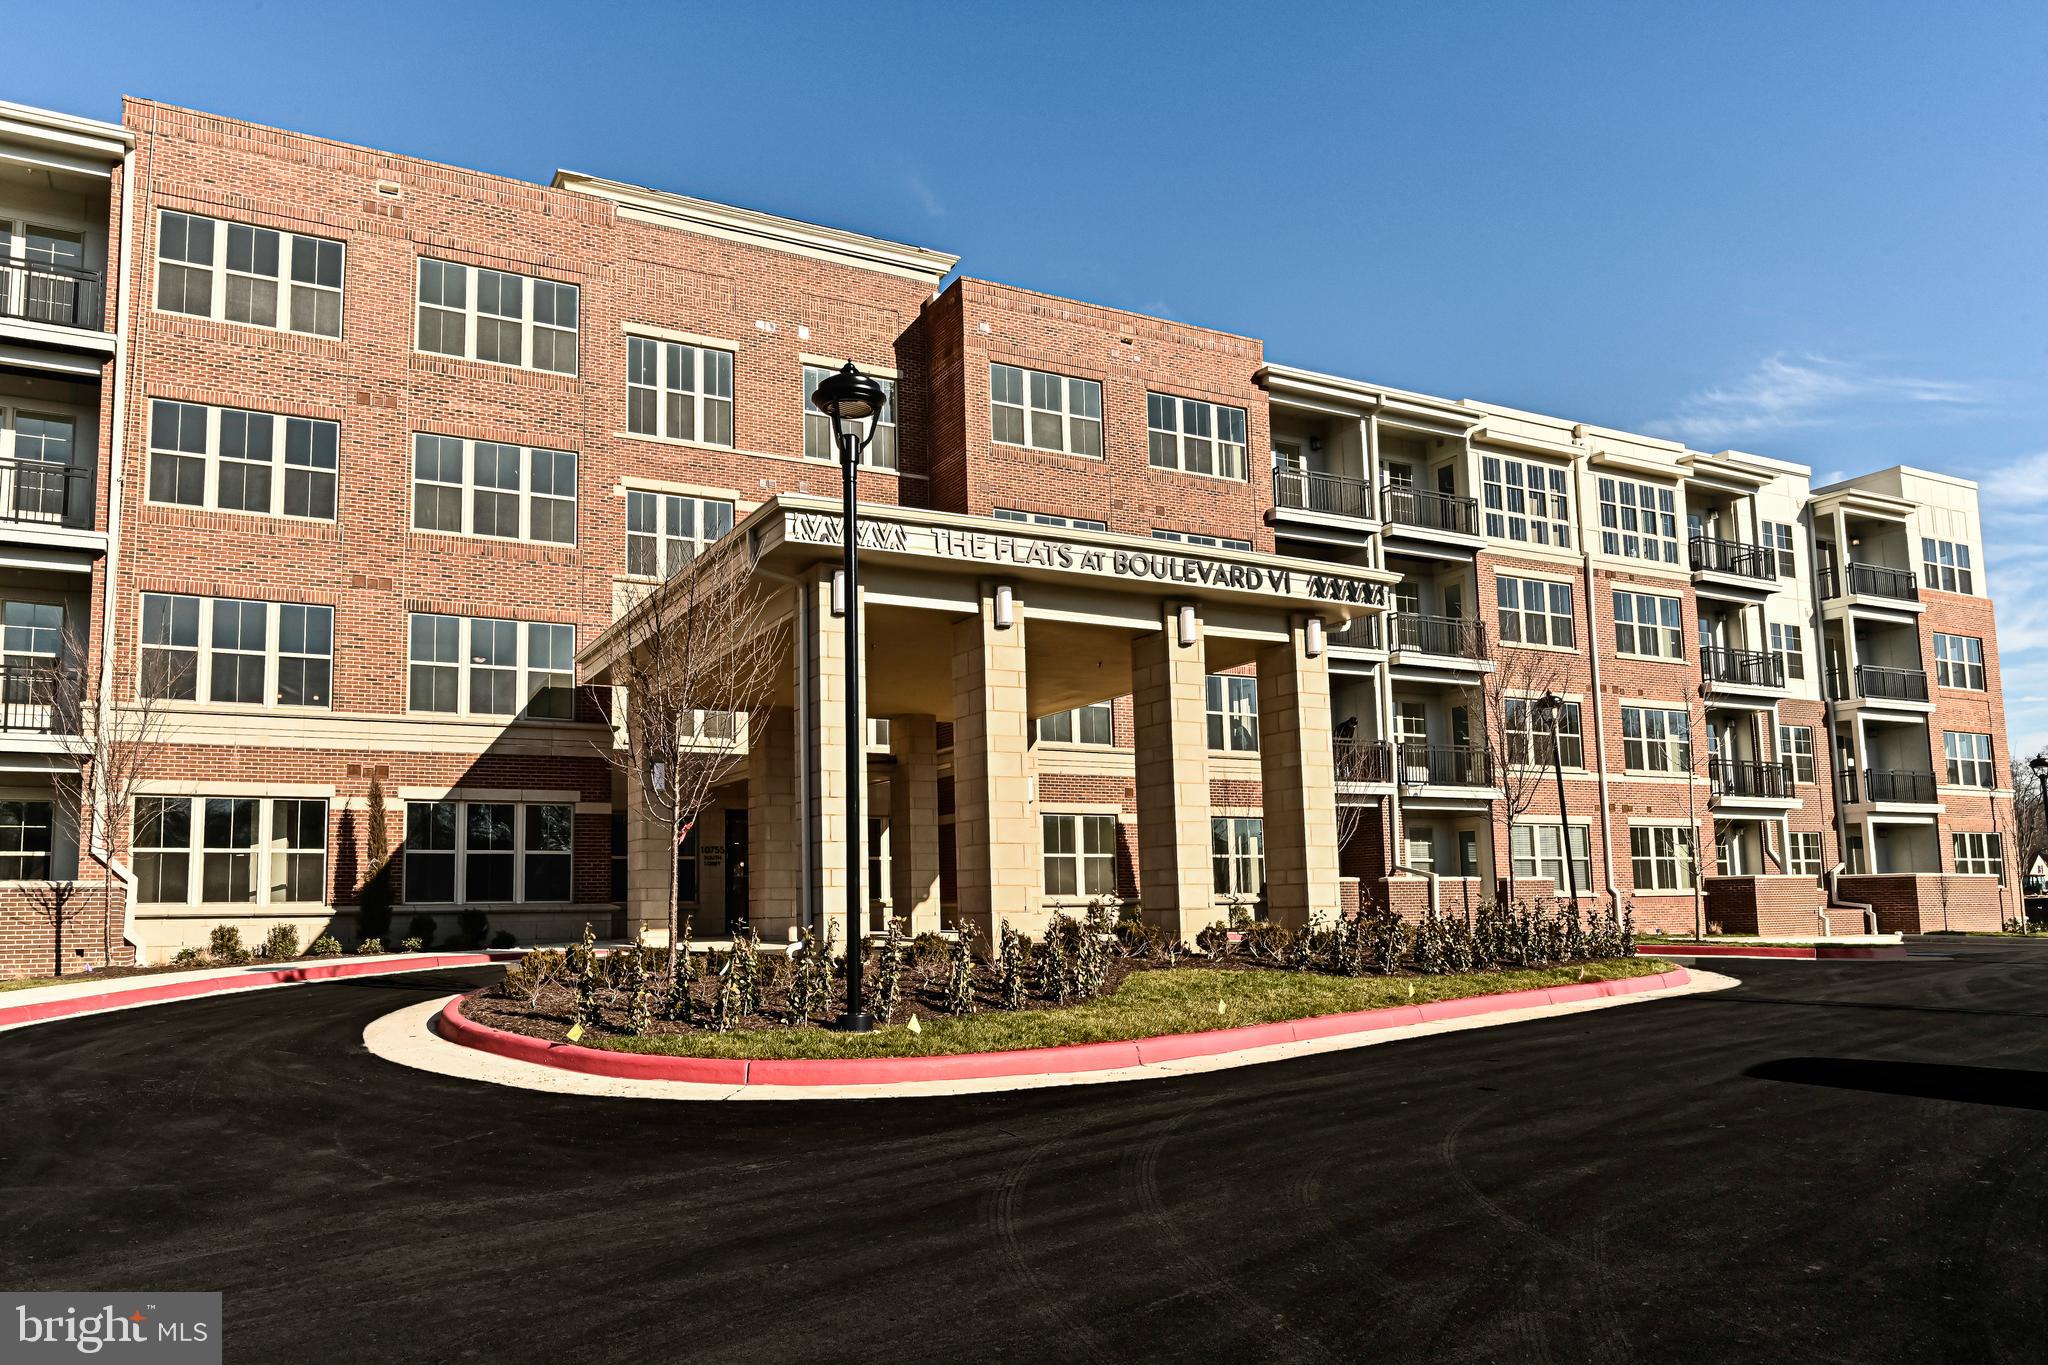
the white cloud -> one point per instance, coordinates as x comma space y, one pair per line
2013, 499
926, 200
1787, 392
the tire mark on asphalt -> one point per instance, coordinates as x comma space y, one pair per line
1000, 1218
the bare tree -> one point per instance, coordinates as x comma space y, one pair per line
1518, 750
707, 654
2030, 831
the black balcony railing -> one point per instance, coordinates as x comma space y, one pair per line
1364, 633
1874, 682
1441, 765
1742, 667
1431, 511
1892, 784
1363, 760
1453, 637
45, 492
1873, 580
1329, 494
37, 698
1744, 777
1711, 554
41, 291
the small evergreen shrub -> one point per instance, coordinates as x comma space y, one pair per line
282, 945
503, 939
1014, 959
960, 973
370, 947
420, 927
188, 957
224, 945
413, 945
1214, 939
526, 978
327, 945
473, 926
639, 995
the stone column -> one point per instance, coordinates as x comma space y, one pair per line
1169, 702
996, 843
824, 645
1299, 781
774, 833
649, 862
914, 821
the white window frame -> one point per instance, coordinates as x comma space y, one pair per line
30, 477
1788, 646
1212, 542
1092, 870
1526, 500
1945, 565
1660, 858
522, 850
1969, 759
1172, 443
1525, 737
1231, 701
203, 650
269, 857
1068, 727
1795, 747
671, 549
25, 823
1978, 853
537, 464
1552, 621
1535, 853
316, 459
1667, 750
1048, 519
530, 675
1070, 392
687, 379
1953, 665
1237, 856
1666, 633
1625, 505
1778, 539
531, 328
1804, 853
286, 277
882, 451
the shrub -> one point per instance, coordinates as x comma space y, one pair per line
503, 939
373, 899
1140, 938
188, 957
282, 945
224, 945
370, 947
1215, 939
1055, 975
725, 1006
473, 927
931, 951
412, 945
1384, 939
420, 927
960, 972
583, 961
803, 982
743, 969
526, 978
1013, 956
888, 974
639, 996
327, 945
678, 1004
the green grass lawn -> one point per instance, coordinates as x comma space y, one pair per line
1148, 1004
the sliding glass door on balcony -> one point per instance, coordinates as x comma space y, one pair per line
43, 276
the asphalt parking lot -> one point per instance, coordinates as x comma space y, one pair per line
1834, 1162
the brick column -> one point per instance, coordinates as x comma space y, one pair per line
996, 845
825, 732
1169, 704
1299, 781
774, 834
914, 822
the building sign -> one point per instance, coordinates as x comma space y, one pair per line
1249, 573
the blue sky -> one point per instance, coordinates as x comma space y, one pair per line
1812, 231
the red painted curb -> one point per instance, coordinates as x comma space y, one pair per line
456, 1027
296, 974
1802, 951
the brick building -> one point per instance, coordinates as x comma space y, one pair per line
331, 465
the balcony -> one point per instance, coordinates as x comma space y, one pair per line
1874, 682
1443, 765
56, 295
37, 699
1873, 580
1449, 637
1402, 506
1746, 778
1711, 554
1899, 785
45, 493
1363, 760
1329, 495
1742, 667
1364, 633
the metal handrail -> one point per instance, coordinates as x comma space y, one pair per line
42, 291
45, 492
1442, 765
37, 698
1746, 667
1363, 760
1409, 506
1363, 633
1878, 580
1878, 682
1892, 784
1313, 491
1746, 777
1455, 637
1713, 554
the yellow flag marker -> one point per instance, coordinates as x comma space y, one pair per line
575, 1032
1219, 1004
915, 1027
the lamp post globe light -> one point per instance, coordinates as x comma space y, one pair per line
1549, 711
2039, 763
853, 401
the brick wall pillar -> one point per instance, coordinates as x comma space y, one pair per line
825, 823
774, 834
1169, 707
1299, 781
914, 821
995, 839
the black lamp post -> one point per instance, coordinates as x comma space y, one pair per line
853, 401
1549, 710
2039, 763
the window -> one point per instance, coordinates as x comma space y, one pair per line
1661, 856
239, 461
1197, 437
496, 316
1805, 854
677, 391
488, 488
1529, 741
1969, 759
36, 449
1945, 565
1537, 852
1789, 648
1045, 411
1080, 855
881, 451
485, 667
665, 531
1778, 539
223, 842
1048, 519
1959, 661
232, 272
1082, 725
1648, 625
1237, 846
1795, 746
1190, 538
31, 643
1534, 612
25, 841
1526, 501
1978, 854
485, 851
1638, 521
1655, 740
254, 653
1233, 713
